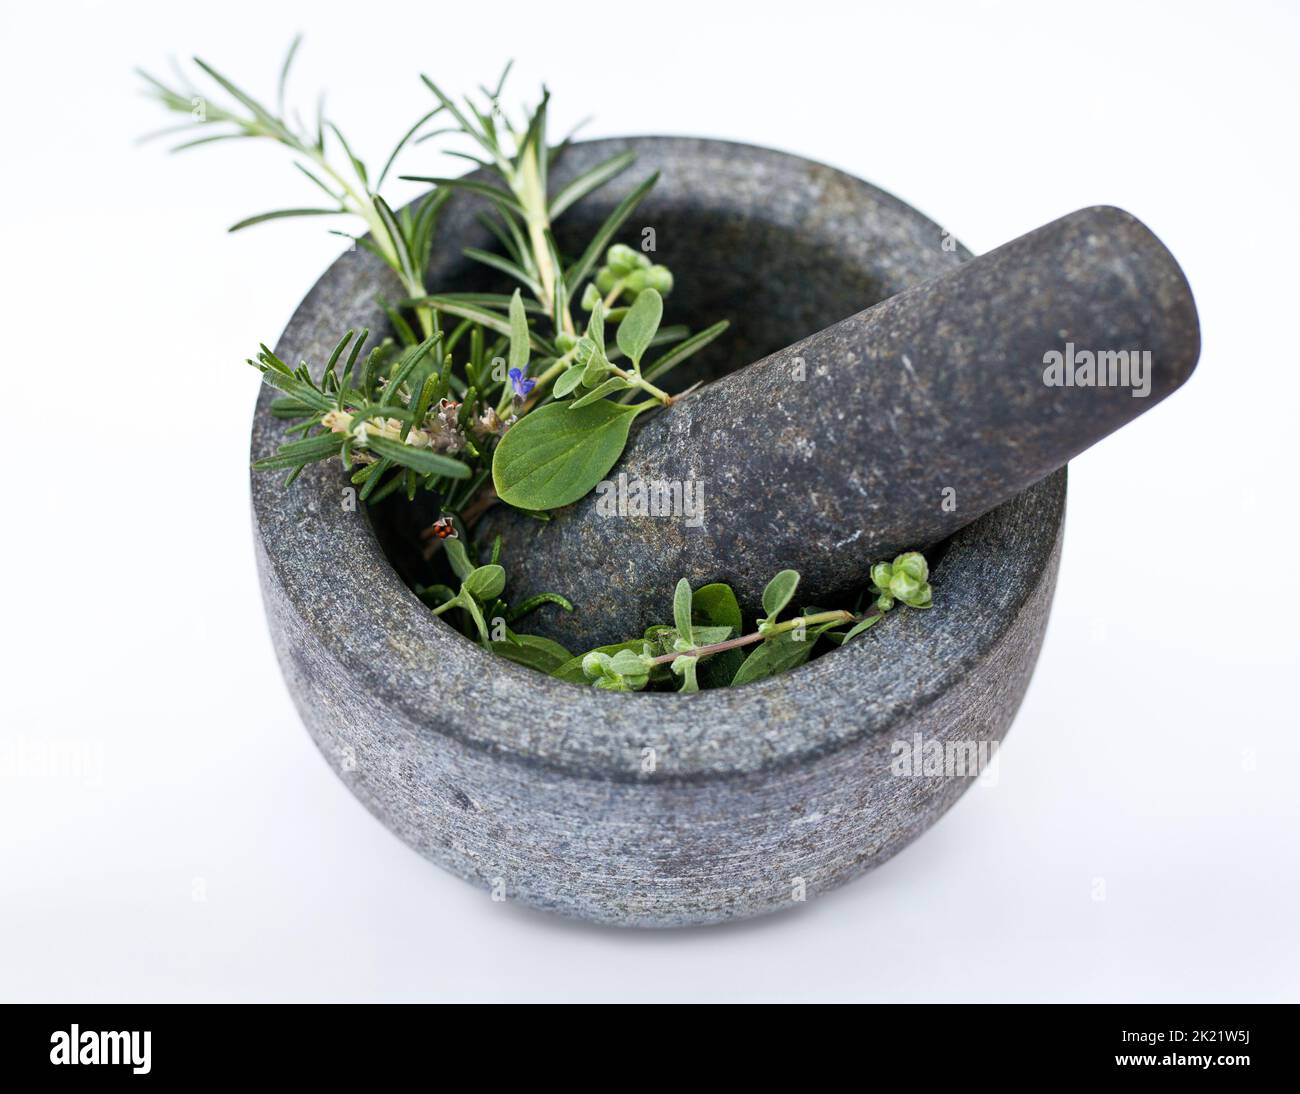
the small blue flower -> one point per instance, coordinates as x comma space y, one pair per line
521, 383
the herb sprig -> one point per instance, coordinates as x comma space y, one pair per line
324, 157
506, 396
459, 342
707, 625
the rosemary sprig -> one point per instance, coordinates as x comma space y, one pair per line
323, 155
521, 158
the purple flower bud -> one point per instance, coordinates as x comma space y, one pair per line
521, 383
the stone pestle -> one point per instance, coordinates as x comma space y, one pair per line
887, 431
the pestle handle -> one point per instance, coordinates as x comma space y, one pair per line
888, 430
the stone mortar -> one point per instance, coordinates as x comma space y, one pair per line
546, 790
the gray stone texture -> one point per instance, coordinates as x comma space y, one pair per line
504, 776
886, 431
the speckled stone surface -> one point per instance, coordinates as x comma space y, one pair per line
884, 432
652, 810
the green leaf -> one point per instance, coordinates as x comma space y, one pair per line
567, 382
291, 408
859, 627
506, 266
405, 365
475, 613
535, 651
594, 363
257, 109
534, 602
423, 460
629, 663
716, 606
682, 608
560, 304
469, 307
284, 71
474, 186
518, 332
685, 668
379, 182
404, 265
486, 582
683, 350
555, 455
609, 387
458, 558
775, 655
779, 592
638, 328
278, 214
473, 131
596, 324
590, 180
297, 389
300, 453
357, 165
439, 594
571, 670
706, 636
661, 637
575, 274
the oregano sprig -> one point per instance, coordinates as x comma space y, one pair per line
702, 632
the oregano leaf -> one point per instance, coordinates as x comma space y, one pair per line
779, 592
476, 613
571, 670
685, 668
486, 582
637, 330
596, 324
534, 651
609, 387
706, 636
461, 566
682, 608
567, 382
591, 355
859, 627
716, 606
774, 655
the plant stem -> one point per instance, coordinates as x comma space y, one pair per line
363, 205
559, 365
750, 639
635, 378
527, 186
615, 293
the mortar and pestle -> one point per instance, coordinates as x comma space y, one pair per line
922, 421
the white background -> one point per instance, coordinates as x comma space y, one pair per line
1154, 761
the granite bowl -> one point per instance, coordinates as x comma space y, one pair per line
652, 810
